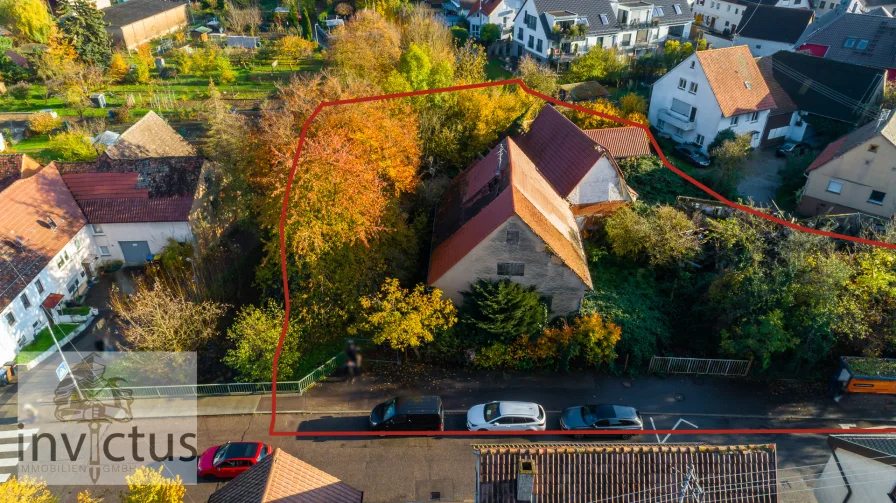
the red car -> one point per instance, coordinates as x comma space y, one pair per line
231, 459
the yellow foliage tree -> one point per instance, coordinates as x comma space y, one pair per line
367, 47
26, 490
588, 121
118, 68
632, 103
405, 318
294, 48
148, 485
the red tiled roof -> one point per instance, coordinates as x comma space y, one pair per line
52, 301
27, 207
621, 141
282, 478
104, 185
488, 6
135, 210
114, 198
563, 153
826, 155
735, 80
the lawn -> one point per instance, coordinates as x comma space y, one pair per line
76, 311
494, 70
43, 341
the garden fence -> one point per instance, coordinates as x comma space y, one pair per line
672, 365
197, 390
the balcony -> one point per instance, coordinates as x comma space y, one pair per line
677, 120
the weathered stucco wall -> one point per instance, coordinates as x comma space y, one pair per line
545, 271
599, 185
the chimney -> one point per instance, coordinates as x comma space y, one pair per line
525, 480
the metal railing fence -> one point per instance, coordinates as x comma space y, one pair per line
704, 366
197, 390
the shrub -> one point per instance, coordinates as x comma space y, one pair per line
502, 311
460, 35
344, 9
489, 33
73, 146
20, 91
43, 122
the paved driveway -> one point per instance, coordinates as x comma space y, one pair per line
761, 179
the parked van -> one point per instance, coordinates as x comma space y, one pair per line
409, 413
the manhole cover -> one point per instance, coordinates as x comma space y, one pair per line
627, 383
679, 397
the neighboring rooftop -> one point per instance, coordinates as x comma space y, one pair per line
621, 142
879, 11
487, 7
825, 87
14, 167
880, 448
735, 80
854, 38
149, 137
126, 13
625, 472
885, 126
777, 24
282, 478
39, 218
592, 10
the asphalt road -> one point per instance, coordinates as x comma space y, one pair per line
395, 469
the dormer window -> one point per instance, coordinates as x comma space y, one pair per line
850, 42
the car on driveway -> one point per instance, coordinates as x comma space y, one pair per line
693, 155
601, 417
231, 459
409, 413
792, 148
506, 416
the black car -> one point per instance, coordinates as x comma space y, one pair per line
601, 417
792, 148
409, 413
693, 155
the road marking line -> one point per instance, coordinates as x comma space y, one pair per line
16, 433
847, 426
677, 423
657, 434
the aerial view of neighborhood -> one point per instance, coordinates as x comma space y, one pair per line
460, 251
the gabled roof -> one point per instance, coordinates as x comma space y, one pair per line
621, 141
14, 167
833, 29
489, 192
149, 137
879, 11
777, 24
488, 6
110, 198
885, 127
29, 239
821, 86
563, 153
627, 472
880, 448
735, 80
590, 9
126, 13
282, 478
581, 91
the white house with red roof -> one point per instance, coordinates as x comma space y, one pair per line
709, 92
45, 250
517, 214
497, 12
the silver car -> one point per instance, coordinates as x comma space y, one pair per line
506, 416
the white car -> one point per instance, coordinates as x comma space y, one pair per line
506, 416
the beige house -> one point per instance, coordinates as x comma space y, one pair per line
855, 173
516, 214
135, 22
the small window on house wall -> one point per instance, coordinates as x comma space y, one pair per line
104, 251
10, 318
39, 286
26, 302
548, 301
513, 237
872, 149
877, 197
510, 269
835, 186
97, 229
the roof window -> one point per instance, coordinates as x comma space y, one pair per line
603, 19
677, 8
850, 42
747, 84
862, 45
658, 12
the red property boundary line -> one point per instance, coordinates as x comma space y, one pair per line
555, 101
